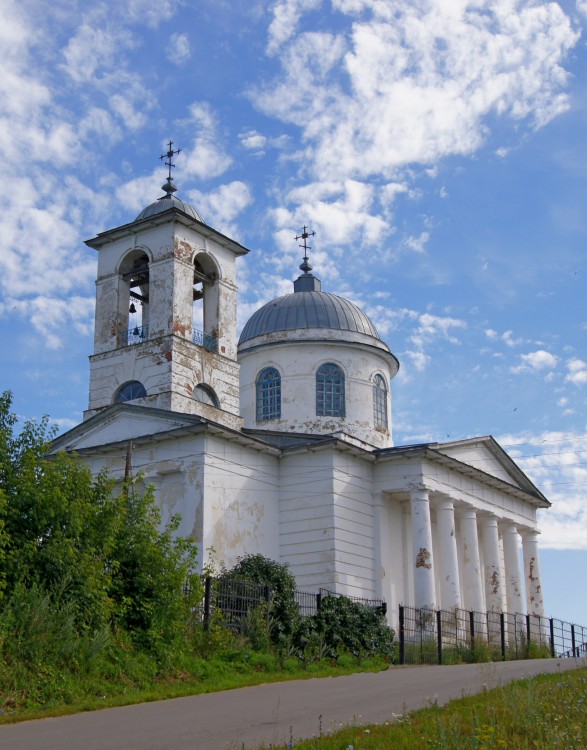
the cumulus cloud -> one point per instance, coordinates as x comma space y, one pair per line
577, 372
178, 49
286, 15
220, 207
206, 157
432, 327
535, 361
555, 462
427, 75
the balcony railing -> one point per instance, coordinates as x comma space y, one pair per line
137, 335
205, 340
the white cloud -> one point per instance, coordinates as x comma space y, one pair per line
340, 214
286, 15
534, 361
508, 338
178, 49
205, 158
95, 50
555, 462
577, 372
220, 207
418, 244
432, 327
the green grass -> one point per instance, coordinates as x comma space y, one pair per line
546, 712
136, 679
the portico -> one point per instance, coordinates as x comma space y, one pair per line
463, 527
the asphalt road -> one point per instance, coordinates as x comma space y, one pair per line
249, 717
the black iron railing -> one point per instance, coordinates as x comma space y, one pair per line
205, 340
429, 636
137, 335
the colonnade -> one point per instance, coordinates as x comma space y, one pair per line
489, 577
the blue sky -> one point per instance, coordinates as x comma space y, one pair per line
437, 148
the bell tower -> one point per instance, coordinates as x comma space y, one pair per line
165, 323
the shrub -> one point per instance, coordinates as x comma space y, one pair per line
284, 614
344, 626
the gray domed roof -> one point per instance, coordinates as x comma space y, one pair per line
307, 309
169, 201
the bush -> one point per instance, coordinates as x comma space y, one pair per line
344, 626
284, 613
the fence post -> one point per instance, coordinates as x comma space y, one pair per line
402, 636
552, 650
439, 634
318, 600
502, 629
207, 592
472, 629
528, 636
573, 640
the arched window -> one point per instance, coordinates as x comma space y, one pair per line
330, 391
129, 391
380, 401
268, 394
206, 395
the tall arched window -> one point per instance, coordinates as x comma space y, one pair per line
330, 391
268, 394
380, 401
129, 391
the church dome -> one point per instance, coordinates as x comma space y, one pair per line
166, 202
308, 309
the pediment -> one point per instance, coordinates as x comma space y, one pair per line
121, 423
486, 455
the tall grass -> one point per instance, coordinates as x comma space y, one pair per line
546, 712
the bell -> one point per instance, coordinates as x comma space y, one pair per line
135, 331
132, 308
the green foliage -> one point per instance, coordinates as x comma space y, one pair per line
70, 544
344, 626
284, 612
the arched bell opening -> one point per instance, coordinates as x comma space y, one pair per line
134, 297
205, 302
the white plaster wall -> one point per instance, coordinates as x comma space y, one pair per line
298, 362
477, 455
241, 506
306, 519
354, 533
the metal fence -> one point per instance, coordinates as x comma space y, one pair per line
231, 600
429, 636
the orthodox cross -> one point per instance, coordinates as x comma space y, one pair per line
305, 266
170, 154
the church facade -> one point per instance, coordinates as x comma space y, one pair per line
281, 444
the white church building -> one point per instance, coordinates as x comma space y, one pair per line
281, 444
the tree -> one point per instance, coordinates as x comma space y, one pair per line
96, 549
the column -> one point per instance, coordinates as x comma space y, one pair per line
472, 581
534, 598
491, 558
424, 589
450, 593
513, 572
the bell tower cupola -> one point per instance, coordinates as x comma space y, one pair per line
165, 322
